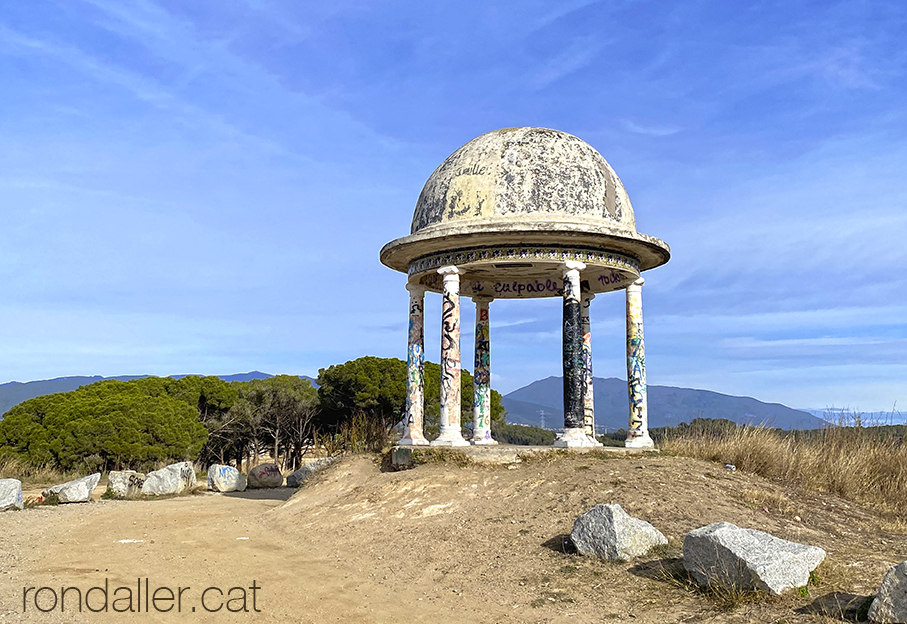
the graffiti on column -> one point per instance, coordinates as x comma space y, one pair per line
636, 363
574, 371
482, 375
588, 395
450, 358
415, 366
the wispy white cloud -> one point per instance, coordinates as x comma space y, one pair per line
656, 131
573, 58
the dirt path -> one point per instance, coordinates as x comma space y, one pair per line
439, 543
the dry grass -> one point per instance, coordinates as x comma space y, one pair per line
773, 501
672, 572
14, 468
852, 462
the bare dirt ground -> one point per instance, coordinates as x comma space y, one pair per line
438, 543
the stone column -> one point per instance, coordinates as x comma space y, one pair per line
638, 430
481, 377
415, 369
450, 360
589, 393
574, 370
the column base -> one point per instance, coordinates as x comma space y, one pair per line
483, 441
574, 438
643, 441
412, 441
451, 436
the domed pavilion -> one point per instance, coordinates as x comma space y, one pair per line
522, 213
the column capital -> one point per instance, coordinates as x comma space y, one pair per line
587, 296
482, 299
639, 282
573, 265
448, 270
416, 289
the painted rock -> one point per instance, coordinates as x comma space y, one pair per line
225, 479
173, 479
125, 483
265, 476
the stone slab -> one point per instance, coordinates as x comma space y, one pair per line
890, 603
173, 479
75, 491
727, 555
125, 484
11, 494
298, 477
609, 532
502, 454
223, 478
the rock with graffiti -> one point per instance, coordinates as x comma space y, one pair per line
124, 484
265, 476
223, 478
170, 480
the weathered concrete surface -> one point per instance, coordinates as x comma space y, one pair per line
727, 555
523, 172
125, 484
265, 476
407, 456
75, 491
526, 187
298, 477
890, 604
173, 479
11, 494
225, 479
609, 532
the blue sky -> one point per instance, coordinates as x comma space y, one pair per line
204, 187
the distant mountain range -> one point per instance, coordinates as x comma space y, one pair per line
668, 406
540, 403
14, 392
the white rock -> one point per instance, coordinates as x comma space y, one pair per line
726, 555
609, 532
890, 604
125, 483
11, 494
225, 479
265, 476
297, 478
76, 491
172, 479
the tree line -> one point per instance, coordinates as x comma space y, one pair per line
110, 425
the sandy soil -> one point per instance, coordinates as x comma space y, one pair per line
438, 543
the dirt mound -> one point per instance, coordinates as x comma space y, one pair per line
444, 543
